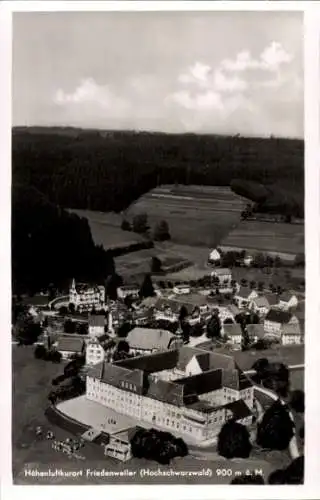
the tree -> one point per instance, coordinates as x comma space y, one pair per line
293, 474
156, 265
260, 286
123, 346
161, 231
147, 289
55, 356
244, 282
252, 284
82, 329
186, 329
125, 225
140, 223
276, 429
72, 308
260, 366
234, 441
27, 331
196, 330
113, 282
63, 310
183, 314
277, 378
40, 352
69, 326
297, 401
124, 329
228, 321
214, 327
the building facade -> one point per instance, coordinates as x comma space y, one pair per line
195, 406
86, 297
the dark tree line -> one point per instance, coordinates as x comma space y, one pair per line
108, 170
51, 246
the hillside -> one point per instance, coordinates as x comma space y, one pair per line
50, 245
107, 171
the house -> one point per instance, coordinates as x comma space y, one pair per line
85, 297
287, 301
234, 333
255, 332
292, 334
228, 312
128, 291
244, 296
260, 305
214, 257
94, 352
275, 321
273, 299
99, 349
247, 260
159, 390
181, 289
223, 274
192, 301
70, 345
167, 310
148, 340
119, 445
96, 325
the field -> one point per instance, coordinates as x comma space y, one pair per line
197, 215
106, 229
267, 237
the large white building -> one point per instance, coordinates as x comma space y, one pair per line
188, 391
85, 297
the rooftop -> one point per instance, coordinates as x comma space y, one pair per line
150, 338
221, 271
261, 301
70, 344
286, 296
278, 316
232, 330
96, 320
244, 292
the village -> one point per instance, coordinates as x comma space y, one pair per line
163, 358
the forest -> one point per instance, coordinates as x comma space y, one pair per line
51, 246
107, 171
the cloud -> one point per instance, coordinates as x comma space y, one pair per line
238, 95
270, 59
240, 92
88, 92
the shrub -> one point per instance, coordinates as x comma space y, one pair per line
276, 429
234, 441
297, 401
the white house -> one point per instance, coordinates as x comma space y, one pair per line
234, 333
96, 324
292, 334
94, 352
247, 260
85, 297
260, 305
276, 320
214, 257
228, 312
223, 274
128, 291
181, 289
287, 301
244, 296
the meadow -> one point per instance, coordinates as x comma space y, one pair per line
267, 237
197, 215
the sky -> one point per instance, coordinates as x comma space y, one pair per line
201, 72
